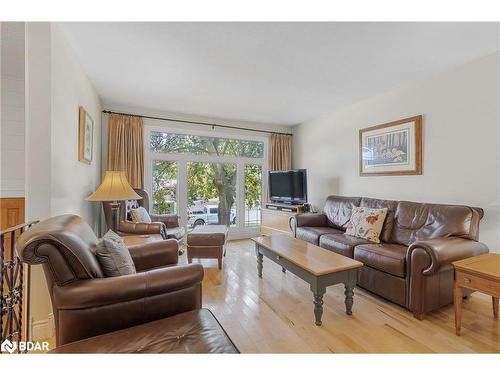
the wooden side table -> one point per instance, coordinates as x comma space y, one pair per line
480, 273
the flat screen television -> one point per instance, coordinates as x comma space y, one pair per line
288, 187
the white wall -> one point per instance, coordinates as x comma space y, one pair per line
461, 152
56, 182
71, 180
12, 110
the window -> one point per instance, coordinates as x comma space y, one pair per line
164, 187
213, 186
253, 194
202, 145
207, 179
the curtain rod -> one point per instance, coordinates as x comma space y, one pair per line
195, 122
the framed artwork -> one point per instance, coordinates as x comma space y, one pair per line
85, 136
394, 148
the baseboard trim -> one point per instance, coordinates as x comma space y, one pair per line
42, 329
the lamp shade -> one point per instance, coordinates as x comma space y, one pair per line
114, 187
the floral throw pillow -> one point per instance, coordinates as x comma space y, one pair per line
366, 223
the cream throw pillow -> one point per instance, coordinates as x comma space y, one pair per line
113, 256
366, 223
140, 215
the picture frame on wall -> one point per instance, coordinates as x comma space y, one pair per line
85, 136
393, 148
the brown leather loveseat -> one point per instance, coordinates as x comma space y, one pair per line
156, 310
412, 264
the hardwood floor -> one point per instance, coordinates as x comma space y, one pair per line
275, 315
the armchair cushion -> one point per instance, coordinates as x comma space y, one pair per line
156, 254
113, 290
113, 256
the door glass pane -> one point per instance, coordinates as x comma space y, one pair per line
211, 194
164, 187
204, 145
253, 194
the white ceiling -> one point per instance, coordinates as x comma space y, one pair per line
281, 73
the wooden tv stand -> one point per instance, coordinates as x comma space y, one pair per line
275, 218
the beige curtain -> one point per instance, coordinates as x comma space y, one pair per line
280, 157
126, 147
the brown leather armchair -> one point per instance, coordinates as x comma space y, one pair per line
166, 225
87, 304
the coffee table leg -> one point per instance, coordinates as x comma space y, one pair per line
318, 308
458, 309
260, 263
349, 300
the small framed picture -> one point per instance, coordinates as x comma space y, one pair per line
85, 136
394, 148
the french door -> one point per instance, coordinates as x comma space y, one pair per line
207, 188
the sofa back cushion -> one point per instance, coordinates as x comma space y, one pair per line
423, 221
385, 235
338, 210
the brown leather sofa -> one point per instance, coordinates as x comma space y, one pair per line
166, 225
419, 241
156, 310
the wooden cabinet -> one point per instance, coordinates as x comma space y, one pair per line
273, 221
11, 214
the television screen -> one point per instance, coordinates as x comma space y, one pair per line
288, 186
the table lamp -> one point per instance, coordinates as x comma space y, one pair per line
114, 188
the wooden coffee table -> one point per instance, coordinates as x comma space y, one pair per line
318, 267
481, 273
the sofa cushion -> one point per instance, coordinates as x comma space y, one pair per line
341, 243
339, 210
425, 221
391, 206
390, 258
194, 331
312, 234
366, 223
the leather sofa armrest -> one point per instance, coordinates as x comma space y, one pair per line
445, 250
307, 220
93, 293
311, 220
128, 227
155, 254
170, 220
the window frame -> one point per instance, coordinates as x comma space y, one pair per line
240, 230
